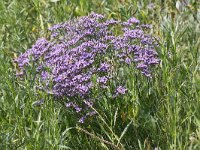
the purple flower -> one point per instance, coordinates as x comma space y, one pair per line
69, 104
104, 67
88, 103
128, 60
82, 119
141, 66
44, 75
102, 80
78, 109
133, 20
121, 90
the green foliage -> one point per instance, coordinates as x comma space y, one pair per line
163, 112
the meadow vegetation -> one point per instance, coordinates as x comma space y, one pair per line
162, 112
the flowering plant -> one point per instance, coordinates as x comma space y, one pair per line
83, 54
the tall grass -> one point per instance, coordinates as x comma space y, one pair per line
163, 112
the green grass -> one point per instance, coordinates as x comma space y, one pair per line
160, 113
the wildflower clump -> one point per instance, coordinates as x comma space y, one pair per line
83, 54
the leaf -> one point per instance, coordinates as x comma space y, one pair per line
54, 1
123, 133
115, 117
64, 147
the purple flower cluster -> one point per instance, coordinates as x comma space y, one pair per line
83, 48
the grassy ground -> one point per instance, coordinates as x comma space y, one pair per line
162, 113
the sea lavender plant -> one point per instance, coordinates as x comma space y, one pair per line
79, 56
